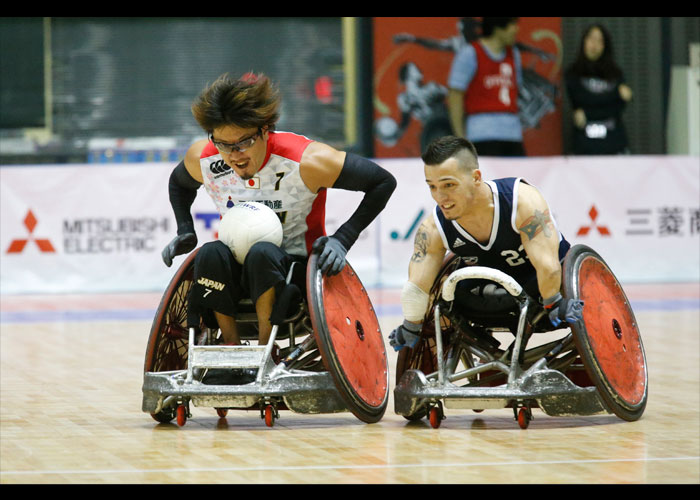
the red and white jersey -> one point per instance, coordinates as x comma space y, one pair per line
494, 88
278, 184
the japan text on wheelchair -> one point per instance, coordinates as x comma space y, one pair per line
596, 365
326, 355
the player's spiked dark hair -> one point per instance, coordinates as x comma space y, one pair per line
251, 101
449, 146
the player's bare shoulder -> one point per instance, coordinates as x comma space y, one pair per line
533, 215
192, 157
320, 165
427, 241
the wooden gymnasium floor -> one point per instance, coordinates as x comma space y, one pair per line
71, 413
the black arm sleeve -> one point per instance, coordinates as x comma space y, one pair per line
360, 174
182, 188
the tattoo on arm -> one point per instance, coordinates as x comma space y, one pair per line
534, 225
420, 246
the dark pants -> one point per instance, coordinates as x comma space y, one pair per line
474, 295
220, 282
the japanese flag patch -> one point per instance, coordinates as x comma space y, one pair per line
253, 183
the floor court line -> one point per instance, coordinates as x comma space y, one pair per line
346, 467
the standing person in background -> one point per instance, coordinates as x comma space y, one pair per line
598, 96
483, 90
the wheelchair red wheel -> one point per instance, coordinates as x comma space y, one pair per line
524, 418
436, 416
181, 415
608, 338
222, 412
349, 339
269, 415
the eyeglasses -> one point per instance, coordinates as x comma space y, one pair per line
247, 143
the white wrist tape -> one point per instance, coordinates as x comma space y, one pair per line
414, 302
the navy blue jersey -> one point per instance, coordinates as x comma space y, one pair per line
504, 250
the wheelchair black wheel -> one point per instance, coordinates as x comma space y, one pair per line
168, 341
608, 339
165, 416
420, 358
349, 340
423, 356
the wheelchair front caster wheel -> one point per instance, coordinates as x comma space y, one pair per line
181, 415
524, 417
270, 415
436, 416
222, 412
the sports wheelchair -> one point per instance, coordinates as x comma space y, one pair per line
325, 356
594, 366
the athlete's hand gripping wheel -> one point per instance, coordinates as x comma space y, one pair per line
332, 254
561, 309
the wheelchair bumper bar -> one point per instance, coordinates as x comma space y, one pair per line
554, 393
302, 392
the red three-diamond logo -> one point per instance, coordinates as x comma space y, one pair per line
583, 230
18, 245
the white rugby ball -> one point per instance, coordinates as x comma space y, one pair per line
247, 223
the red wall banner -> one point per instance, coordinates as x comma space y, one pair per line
412, 58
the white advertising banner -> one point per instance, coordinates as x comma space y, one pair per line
88, 228
84, 228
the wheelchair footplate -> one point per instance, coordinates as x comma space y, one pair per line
311, 376
558, 377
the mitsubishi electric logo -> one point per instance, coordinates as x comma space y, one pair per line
95, 235
602, 230
30, 222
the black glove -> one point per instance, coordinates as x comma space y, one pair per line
332, 258
406, 335
561, 309
182, 243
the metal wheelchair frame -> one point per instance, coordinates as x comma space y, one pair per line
308, 376
531, 376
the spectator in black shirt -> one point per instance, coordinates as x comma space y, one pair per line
598, 95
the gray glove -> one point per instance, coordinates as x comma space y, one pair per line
182, 243
332, 258
406, 335
561, 309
